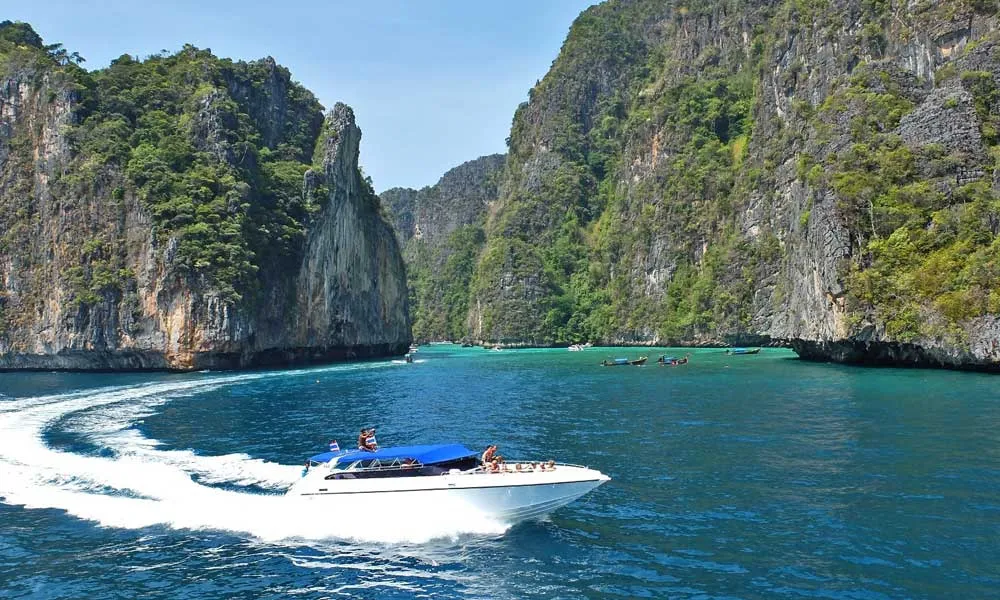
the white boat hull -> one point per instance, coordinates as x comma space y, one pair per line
507, 496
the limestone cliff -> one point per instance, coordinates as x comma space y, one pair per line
821, 174
441, 230
164, 215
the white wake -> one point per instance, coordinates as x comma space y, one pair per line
144, 485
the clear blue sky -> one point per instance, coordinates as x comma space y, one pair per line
433, 83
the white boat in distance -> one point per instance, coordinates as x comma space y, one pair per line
518, 491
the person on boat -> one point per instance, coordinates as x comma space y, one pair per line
366, 441
371, 444
489, 453
552, 465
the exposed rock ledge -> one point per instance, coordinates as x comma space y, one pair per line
982, 353
151, 360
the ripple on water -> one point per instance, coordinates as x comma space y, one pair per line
770, 478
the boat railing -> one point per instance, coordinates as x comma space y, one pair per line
508, 467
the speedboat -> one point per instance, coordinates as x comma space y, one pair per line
512, 492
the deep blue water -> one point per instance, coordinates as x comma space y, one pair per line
733, 477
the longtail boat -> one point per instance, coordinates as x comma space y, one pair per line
624, 362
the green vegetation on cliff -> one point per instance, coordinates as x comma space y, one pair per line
441, 230
588, 231
187, 134
440, 298
730, 170
184, 211
223, 181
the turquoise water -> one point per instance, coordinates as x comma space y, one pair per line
733, 477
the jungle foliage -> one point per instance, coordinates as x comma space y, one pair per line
194, 138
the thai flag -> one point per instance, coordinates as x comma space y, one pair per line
334, 447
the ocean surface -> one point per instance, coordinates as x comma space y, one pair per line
733, 477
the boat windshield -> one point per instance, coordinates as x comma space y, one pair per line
374, 463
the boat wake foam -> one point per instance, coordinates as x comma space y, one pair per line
142, 485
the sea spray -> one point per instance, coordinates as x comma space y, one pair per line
142, 485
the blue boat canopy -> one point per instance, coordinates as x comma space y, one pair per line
427, 454
326, 456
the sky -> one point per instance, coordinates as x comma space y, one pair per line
433, 83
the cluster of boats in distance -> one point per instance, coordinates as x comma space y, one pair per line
672, 361
663, 360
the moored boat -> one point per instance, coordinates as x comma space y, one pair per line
511, 492
741, 351
624, 362
672, 360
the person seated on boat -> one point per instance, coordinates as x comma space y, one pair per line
370, 443
552, 465
489, 453
409, 463
366, 441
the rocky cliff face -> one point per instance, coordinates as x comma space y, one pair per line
441, 230
351, 288
458, 199
886, 122
821, 174
164, 215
